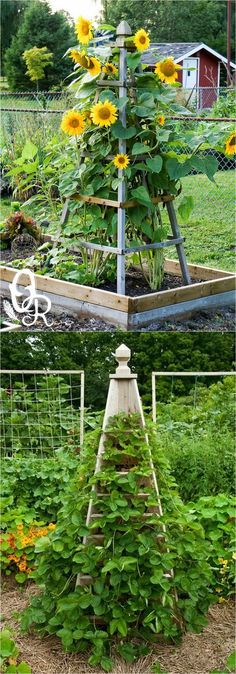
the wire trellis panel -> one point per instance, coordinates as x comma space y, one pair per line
197, 378
41, 411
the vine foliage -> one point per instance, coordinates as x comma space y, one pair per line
132, 595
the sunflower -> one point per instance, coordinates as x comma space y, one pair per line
109, 69
104, 113
230, 144
121, 161
84, 30
160, 120
94, 67
141, 40
167, 70
74, 55
73, 123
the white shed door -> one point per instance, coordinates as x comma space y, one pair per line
190, 73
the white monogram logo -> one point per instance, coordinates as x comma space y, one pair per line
30, 305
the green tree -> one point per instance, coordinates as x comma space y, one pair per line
37, 59
42, 28
11, 16
175, 21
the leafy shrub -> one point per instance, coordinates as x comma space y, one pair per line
9, 655
129, 592
199, 439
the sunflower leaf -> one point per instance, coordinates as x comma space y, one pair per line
119, 131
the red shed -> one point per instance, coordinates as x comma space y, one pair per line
201, 68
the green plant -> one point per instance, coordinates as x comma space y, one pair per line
197, 433
225, 106
9, 655
17, 548
229, 667
152, 165
33, 488
216, 514
130, 593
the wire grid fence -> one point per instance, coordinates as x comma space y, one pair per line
41, 412
172, 388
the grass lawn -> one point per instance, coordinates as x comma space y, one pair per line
210, 231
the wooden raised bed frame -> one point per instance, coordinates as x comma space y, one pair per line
132, 313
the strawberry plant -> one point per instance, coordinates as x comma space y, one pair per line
133, 593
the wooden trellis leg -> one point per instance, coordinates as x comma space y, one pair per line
179, 246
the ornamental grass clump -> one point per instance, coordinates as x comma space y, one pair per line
158, 153
142, 584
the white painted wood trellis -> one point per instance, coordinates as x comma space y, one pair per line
121, 250
123, 396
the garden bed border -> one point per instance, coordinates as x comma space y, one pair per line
128, 313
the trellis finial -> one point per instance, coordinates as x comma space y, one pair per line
123, 29
122, 356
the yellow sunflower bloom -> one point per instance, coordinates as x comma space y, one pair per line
167, 70
84, 30
73, 123
104, 113
94, 67
121, 161
141, 40
109, 69
230, 145
161, 120
74, 55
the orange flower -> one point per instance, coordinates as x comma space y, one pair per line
22, 566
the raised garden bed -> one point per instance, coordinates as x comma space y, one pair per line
211, 288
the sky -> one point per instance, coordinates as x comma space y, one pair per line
89, 9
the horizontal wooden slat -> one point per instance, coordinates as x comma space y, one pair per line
95, 200
117, 204
72, 290
196, 271
182, 294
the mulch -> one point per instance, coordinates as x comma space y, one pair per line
197, 654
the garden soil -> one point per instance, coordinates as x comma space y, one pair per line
197, 654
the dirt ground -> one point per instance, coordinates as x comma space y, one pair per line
197, 654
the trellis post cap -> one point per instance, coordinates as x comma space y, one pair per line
123, 29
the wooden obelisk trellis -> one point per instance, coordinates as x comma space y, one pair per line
124, 31
123, 396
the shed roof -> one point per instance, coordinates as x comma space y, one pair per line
179, 50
